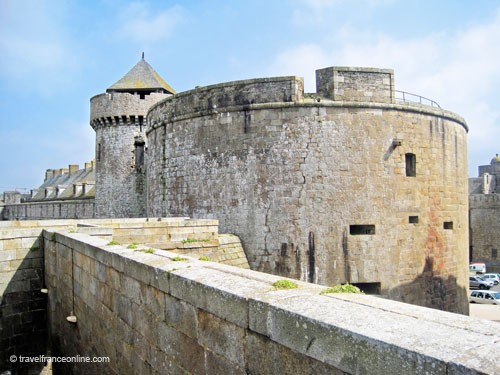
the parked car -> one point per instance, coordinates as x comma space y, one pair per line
477, 268
491, 276
477, 282
485, 296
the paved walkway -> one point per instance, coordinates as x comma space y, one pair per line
490, 312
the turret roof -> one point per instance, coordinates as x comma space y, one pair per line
496, 159
142, 77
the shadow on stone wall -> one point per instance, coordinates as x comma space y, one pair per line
429, 289
23, 314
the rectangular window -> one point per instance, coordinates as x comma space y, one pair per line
494, 253
356, 230
411, 165
139, 153
413, 219
98, 157
448, 225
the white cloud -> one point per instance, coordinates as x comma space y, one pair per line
458, 70
144, 26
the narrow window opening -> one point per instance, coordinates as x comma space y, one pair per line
98, 157
448, 225
494, 253
356, 230
411, 165
141, 122
369, 288
139, 152
413, 219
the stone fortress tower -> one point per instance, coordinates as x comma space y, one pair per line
119, 120
484, 214
348, 184
352, 183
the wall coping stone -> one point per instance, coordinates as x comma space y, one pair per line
354, 333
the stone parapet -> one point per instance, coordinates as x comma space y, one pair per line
356, 84
117, 108
153, 312
210, 100
486, 201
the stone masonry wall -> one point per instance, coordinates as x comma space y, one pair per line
81, 209
23, 322
120, 186
151, 314
356, 84
119, 119
318, 189
484, 211
23, 306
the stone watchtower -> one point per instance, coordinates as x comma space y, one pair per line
119, 120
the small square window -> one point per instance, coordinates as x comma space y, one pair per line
448, 225
413, 219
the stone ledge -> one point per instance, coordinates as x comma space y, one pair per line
353, 333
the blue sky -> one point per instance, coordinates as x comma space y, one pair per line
55, 55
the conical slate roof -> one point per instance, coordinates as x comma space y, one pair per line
142, 77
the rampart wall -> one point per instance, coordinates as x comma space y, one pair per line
347, 190
63, 209
484, 211
160, 312
23, 307
23, 304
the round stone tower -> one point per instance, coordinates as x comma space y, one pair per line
352, 183
119, 120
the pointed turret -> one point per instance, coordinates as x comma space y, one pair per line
141, 78
119, 120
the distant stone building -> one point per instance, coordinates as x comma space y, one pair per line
484, 216
353, 183
65, 193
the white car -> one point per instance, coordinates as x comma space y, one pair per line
485, 296
492, 277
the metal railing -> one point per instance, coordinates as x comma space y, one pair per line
406, 97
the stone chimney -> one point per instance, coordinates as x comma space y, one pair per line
49, 173
73, 168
